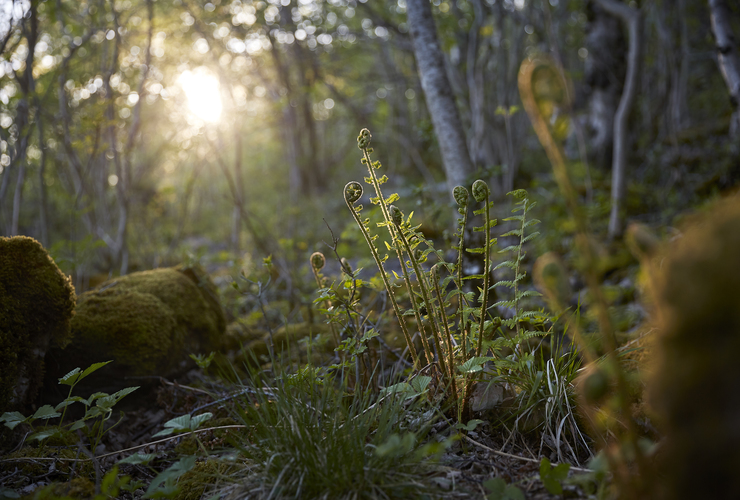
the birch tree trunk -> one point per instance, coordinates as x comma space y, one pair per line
728, 57
438, 93
633, 19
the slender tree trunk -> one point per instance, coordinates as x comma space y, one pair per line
439, 97
17, 198
43, 197
728, 56
604, 78
27, 83
633, 19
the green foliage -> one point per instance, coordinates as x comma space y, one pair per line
460, 327
312, 441
99, 413
499, 490
110, 487
184, 423
164, 485
553, 477
202, 360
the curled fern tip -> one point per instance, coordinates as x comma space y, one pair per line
318, 261
352, 192
480, 190
461, 196
363, 140
396, 215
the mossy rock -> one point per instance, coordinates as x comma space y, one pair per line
146, 322
37, 302
694, 390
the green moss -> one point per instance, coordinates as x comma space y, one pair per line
79, 488
36, 306
23, 460
194, 483
146, 322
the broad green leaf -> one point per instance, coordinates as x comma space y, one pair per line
552, 477
400, 388
473, 364
420, 383
46, 412
77, 425
196, 421
67, 402
164, 432
179, 423
12, 419
75, 375
70, 378
496, 486
138, 459
169, 476
470, 426
41, 435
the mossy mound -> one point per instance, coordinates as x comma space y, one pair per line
695, 387
147, 323
37, 302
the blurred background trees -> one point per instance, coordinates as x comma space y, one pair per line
135, 131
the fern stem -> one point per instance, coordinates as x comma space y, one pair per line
461, 301
417, 313
386, 283
448, 335
394, 232
427, 299
525, 206
486, 277
332, 327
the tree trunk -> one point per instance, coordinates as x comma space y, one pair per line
438, 93
633, 19
27, 83
603, 80
728, 57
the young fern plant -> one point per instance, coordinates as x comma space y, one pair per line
514, 263
450, 341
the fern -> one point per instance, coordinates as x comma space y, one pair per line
453, 324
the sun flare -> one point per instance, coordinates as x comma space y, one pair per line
202, 91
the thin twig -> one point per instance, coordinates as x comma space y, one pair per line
517, 457
185, 434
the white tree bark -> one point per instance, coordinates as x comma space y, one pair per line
438, 93
633, 19
728, 56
